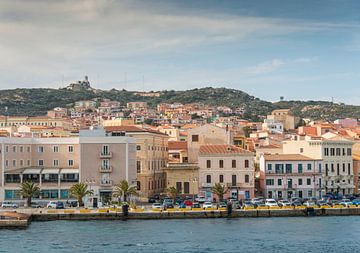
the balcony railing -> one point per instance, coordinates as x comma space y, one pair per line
106, 183
106, 169
105, 154
239, 185
207, 185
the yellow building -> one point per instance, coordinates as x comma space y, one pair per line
184, 177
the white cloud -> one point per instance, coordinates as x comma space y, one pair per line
266, 67
306, 60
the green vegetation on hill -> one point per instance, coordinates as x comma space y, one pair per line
37, 101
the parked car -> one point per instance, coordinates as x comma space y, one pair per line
168, 205
356, 202
296, 203
188, 202
222, 205
35, 205
248, 204
310, 203
8, 204
157, 206
271, 203
55, 205
346, 202
167, 201
182, 205
284, 203
256, 201
152, 200
207, 205
196, 205
200, 199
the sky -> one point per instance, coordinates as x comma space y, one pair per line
302, 50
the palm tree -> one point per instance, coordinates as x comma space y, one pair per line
123, 189
28, 190
79, 191
219, 190
173, 193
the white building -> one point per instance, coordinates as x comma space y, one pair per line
285, 176
336, 156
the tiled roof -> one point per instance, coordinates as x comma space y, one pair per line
222, 149
287, 157
177, 145
132, 129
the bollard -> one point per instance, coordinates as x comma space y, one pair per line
125, 210
229, 208
310, 211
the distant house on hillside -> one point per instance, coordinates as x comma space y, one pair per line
80, 85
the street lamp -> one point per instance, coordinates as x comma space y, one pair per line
194, 180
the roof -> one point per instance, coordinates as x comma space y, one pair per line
177, 145
287, 157
133, 129
222, 149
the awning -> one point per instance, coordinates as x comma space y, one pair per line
69, 171
50, 171
32, 171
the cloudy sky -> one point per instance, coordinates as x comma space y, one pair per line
307, 49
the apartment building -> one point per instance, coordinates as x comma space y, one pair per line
151, 157
55, 164
336, 157
228, 165
284, 176
6, 121
285, 117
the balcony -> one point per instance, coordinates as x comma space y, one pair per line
106, 155
106, 169
106, 183
207, 185
239, 185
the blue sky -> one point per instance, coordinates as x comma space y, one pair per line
296, 49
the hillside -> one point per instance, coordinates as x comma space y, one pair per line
37, 101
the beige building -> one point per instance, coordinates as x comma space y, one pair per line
46, 121
55, 164
228, 165
206, 135
284, 116
151, 157
184, 177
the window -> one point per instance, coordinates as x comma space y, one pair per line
246, 163
221, 164
138, 185
56, 163
14, 163
309, 166
50, 178
186, 187
326, 151
49, 194
7, 149
41, 149
195, 138
221, 178
28, 149
269, 181
300, 168
288, 168
320, 170
21, 149
344, 167
310, 193
308, 181
301, 150
233, 180
28, 162
300, 181
138, 147
349, 152
40, 162
349, 168
279, 182
69, 177
178, 186
56, 149
332, 168
332, 151
247, 179
12, 178
71, 149
70, 163
338, 151
21, 162
269, 167
14, 149
64, 194
233, 163
208, 179
138, 166
338, 168
208, 164
319, 182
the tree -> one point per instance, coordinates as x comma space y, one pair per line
173, 193
219, 190
123, 189
28, 190
79, 191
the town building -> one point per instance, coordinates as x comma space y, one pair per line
151, 157
55, 164
284, 176
285, 117
228, 165
336, 157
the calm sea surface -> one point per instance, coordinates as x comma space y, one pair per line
313, 234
